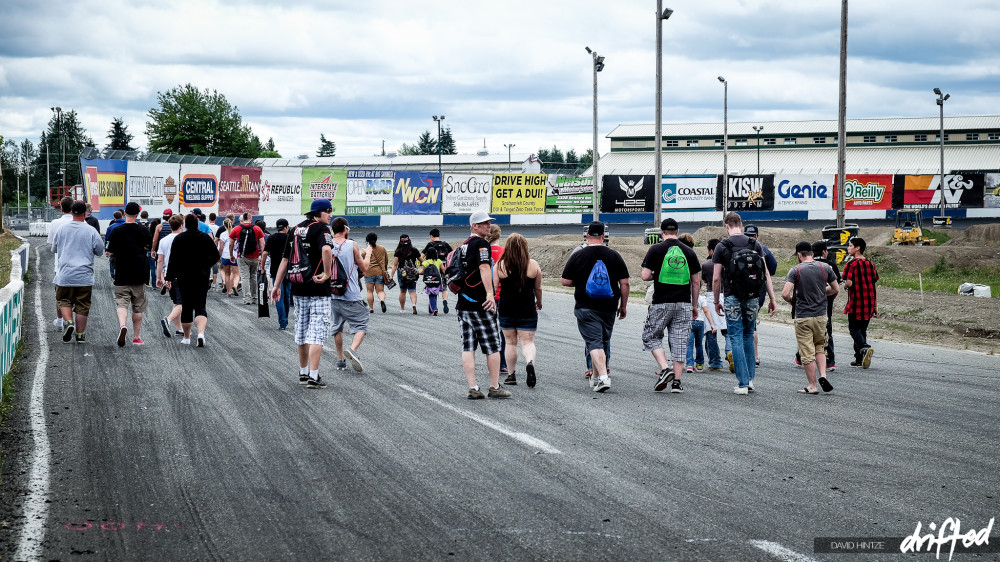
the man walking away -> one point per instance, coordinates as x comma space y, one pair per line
673, 268
65, 204
248, 240
860, 276
443, 249
821, 254
600, 280
75, 244
174, 226
771, 263
275, 248
191, 257
807, 287
350, 307
130, 244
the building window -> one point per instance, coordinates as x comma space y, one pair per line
770, 141
937, 138
994, 136
890, 138
718, 142
819, 140
920, 138
672, 143
741, 142
635, 144
692, 143
972, 136
790, 140
869, 138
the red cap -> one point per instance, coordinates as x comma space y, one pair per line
167, 212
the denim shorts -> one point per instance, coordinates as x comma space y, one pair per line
376, 280
522, 324
405, 286
228, 262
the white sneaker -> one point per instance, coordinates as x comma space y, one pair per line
750, 387
603, 384
201, 340
742, 391
186, 341
57, 323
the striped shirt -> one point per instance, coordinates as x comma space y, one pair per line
861, 297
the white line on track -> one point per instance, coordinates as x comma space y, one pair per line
522, 437
781, 552
35, 509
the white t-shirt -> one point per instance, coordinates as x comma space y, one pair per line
224, 238
718, 320
164, 250
701, 313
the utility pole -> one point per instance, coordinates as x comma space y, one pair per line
842, 119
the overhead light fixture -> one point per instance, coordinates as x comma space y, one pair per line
667, 13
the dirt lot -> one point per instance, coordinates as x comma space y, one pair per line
962, 322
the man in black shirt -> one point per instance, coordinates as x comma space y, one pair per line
275, 248
129, 243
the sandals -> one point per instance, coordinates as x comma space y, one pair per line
805, 390
825, 384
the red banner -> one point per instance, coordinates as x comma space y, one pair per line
239, 190
865, 191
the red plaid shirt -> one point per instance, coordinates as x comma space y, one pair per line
861, 298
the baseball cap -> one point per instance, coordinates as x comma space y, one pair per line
750, 230
197, 211
803, 247
167, 212
78, 208
668, 224
321, 205
281, 223
132, 208
595, 228
480, 216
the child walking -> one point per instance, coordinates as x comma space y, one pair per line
431, 269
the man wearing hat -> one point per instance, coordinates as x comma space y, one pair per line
275, 248
202, 225
477, 309
312, 298
162, 229
75, 245
129, 243
246, 241
807, 287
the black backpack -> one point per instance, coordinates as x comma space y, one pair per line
432, 275
746, 270
338, 277
454, 272
300, 271
247, 244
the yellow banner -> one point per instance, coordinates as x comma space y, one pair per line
518, 193
111, 188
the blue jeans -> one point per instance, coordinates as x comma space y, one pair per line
741, 320
152, 268
284, 303
695, 351
712, 349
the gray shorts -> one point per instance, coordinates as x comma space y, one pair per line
354, 313
673, 315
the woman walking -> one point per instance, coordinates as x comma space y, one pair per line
404, 261
378, 263
228, 263
520, 301
191, 257
496, 250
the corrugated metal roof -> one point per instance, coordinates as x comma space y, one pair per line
387, 161
779, 128
886, 160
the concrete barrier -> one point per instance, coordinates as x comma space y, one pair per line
12, 310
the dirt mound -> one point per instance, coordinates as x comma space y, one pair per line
976, 235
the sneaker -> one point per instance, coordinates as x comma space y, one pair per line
688, 369
498, 392
699, 367
732, 366
530, 379
121, 336
855, 363
186, 341
414, 309
201, 340
315, 383
282, 328
831, 367
81, 338
741, 391
303, 379
444, 306
798, 362
342, 365
750, 387
178, 332
666, 377
166, 327
757, 362
382, 304
866, 360
603, 385
352, 356
676, 387
58, 323
137, 341
511, 379
67, 332
715, 369
476, 394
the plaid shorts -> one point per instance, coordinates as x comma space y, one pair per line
673, 315
479, 326
312, 319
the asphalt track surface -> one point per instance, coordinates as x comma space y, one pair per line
170, 452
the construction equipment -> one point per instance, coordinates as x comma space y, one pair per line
909, 230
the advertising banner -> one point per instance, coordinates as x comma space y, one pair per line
465, 194
569, 194
199, 188
991, 195
104, 184
924, 192
803, 193
518, 193
148, 184
628, 194
865, 191
417, 193
281, 192
239, 190
747, 193
688, 192
323, 183
369, 192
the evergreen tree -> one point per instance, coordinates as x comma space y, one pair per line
408, 150
119, 136
447, 142
587, 159
427, 144
326, 148
65, 136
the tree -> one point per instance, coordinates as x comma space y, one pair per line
426, 144
8, 169
200, 123
326, 148
119, 136
63, 136
587, 159
408, 150
552, 160
447, 142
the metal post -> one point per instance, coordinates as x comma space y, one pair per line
842, 117
598, 63
758, 129
438, 121
940, 101
508, 146
661, 15
725, 145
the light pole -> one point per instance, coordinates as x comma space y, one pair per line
842, 119
598, 66
508, 147
758, 129
725, 145
661, 15
438, 120
940, 101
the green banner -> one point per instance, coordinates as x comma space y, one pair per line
569, 195
322, 183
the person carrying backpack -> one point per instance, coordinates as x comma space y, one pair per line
601, 281
431, 269
673, 268
348, 306
741, 274
246, 242
442, 249
404, 261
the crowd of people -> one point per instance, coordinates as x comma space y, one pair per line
316, 269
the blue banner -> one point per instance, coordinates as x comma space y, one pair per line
417, 193
104, 185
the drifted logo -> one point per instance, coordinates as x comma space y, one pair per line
867, 194
676, 262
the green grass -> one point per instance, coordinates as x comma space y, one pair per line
7, 243
937, 235
943, 277
7, 397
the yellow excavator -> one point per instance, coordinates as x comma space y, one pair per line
909, 230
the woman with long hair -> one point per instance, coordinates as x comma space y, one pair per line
496, 250
378, 264
228, 262
519, 303
191, 257
404, 258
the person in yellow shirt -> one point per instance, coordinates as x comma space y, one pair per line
432, 270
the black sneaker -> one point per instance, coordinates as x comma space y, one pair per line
444, 306
80, 338
511, 379
166, 327
531, 374
303, 379
315, 383
382, 304
666, 377
67, 332
676, 387
855, 363
121, 337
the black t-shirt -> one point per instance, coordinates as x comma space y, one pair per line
707, 273
667, 292
723, 255
477, 253
275, 248
578, 268
441, 247
317, 236
129, 243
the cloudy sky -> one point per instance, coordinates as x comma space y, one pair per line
507, 72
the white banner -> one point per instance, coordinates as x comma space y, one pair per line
199, 188
465, 193
688, 192
153, 185
281, 192
803, 192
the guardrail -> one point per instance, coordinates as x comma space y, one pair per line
12, 309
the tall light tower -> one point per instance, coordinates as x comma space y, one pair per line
59, 134
661, 15
438, 120
758, 129
940, 101
598, 66
725, 145
508, 147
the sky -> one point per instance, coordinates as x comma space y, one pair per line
514, 72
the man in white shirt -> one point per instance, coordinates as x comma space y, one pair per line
65, 204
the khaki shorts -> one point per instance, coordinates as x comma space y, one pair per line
134, 294
810, 334
76, 298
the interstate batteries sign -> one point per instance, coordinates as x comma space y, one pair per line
628, 194
747, 193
